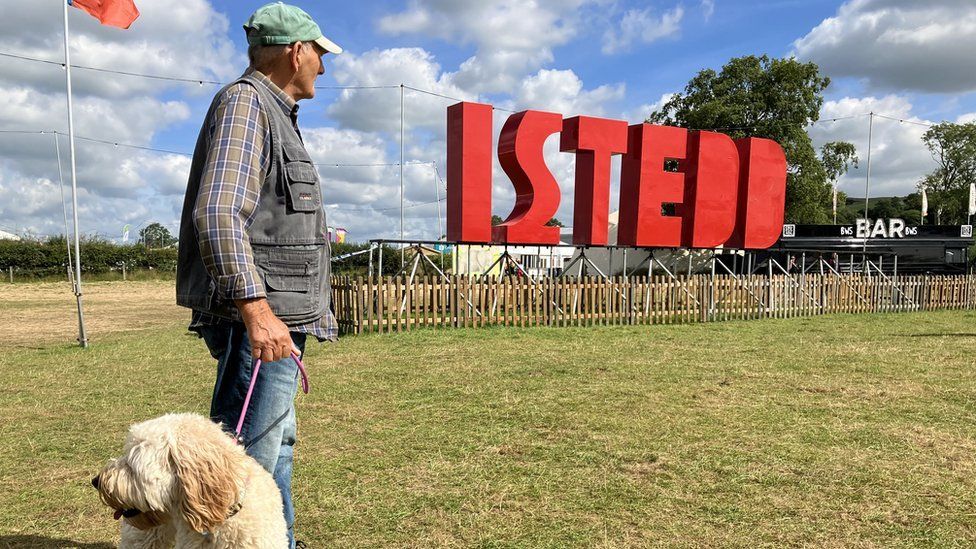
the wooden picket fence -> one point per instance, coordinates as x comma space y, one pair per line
394, 304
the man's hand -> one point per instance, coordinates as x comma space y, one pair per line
270, 340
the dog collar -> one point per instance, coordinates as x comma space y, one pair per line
236, 507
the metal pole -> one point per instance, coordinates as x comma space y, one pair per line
64, 210
437, 194
82, 338
711, 297
370, 271
867, 179
381, 261
894, 283
401, 178
835, 202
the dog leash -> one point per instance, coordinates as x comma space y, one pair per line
254, 378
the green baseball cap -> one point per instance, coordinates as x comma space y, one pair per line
280, 23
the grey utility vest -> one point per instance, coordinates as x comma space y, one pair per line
288, 235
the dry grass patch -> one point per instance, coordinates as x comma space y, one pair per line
37, 315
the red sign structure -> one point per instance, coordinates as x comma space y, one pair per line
724, 192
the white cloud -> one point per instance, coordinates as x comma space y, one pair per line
185, 39
562, 91
33, 205
374, 110
640, 113
102, 168
644, 27
899, 158
898, 44
708, 9
117, 185
512, 38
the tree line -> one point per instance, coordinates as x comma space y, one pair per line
759, 96
49, 257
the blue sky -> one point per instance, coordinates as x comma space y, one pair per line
614, 58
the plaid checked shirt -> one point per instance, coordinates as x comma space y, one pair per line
237, 162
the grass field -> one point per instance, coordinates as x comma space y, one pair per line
841, 431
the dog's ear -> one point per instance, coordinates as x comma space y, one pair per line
208, 470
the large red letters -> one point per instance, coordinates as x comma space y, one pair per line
712, 180
536, 190
762, 194
645, 187
469, 172
722, 193
593, 140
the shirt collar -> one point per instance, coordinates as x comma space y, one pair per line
287, 104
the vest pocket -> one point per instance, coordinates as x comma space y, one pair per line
290, 272
288, 283
303, 190
291, 277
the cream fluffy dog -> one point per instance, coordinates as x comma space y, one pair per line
183, 480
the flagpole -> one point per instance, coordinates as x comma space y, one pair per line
82, 338
401, 177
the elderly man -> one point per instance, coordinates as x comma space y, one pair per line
254, 252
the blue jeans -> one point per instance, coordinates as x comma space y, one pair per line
269, 429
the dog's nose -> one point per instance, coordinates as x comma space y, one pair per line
95, 482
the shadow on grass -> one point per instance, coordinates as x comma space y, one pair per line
40, 542
944, 335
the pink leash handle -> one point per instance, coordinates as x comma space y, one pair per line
254, 378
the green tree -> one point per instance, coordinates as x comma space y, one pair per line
496, 220
554, 223
837, 157
763, 97
155, 235
912, 211
954, 148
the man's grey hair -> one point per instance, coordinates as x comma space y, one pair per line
261, 56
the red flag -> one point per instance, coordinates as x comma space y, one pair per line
117, 13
